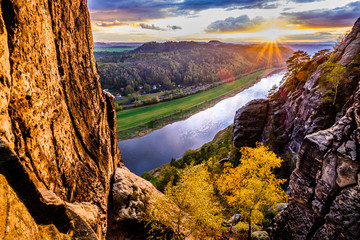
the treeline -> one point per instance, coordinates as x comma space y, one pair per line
167, 65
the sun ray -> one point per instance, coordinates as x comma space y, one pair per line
270, 54
277, 52
259, 56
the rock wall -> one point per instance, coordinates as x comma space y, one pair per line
300, 111
324, 202
325, 184
249, 123
57, 127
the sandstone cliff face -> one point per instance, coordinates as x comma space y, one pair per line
57, 127
325, 193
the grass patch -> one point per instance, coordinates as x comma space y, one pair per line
133, 122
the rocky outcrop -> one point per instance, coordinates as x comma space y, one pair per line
17, 223
58, 146
260, 235
298, 112
325, 184
249, 123
324, 202
130, 197
55, 120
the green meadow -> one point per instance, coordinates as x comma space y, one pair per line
132, 122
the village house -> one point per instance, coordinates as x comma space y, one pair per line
118, 96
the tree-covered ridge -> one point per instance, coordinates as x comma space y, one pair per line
167, 65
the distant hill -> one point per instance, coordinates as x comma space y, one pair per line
116, 44
169, 64
310, 48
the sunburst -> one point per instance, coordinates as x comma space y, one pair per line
269, 51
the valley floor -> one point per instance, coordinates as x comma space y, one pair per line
140, 121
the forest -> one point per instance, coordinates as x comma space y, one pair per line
155, 66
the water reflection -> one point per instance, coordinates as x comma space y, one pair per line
157, 148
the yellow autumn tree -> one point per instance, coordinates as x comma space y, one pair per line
251, 187
188, 208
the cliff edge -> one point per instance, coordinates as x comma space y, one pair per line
58, 146
320, 127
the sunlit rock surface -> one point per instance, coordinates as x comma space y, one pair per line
130, 197
324, 202
58, 146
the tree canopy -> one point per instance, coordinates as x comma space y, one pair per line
189, 207
167, 65
251, 187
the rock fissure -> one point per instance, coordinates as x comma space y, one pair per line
316, 225
55, 144
7, 213
78, 134
8, 15
13, 170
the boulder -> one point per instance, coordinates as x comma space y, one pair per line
260, 235
129, 199
249, 123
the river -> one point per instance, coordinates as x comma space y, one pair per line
172, 141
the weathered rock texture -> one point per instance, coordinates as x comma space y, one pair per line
130, 197
299, 112
58, 147
17, 223
249, 123
325, 193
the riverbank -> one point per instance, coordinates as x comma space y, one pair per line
218, 147
141, 121
173, 140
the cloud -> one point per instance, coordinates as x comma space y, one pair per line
231, 24
198, 5
256, 5
134, 4
133, 15
151, 27
195, 5
110, 24
174, 27
306, 1
337, 17
139, 10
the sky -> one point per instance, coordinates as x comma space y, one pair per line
227, 20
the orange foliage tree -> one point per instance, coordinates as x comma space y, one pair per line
251, 188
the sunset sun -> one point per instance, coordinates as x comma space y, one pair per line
272, 34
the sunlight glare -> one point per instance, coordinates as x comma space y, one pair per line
271, 34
